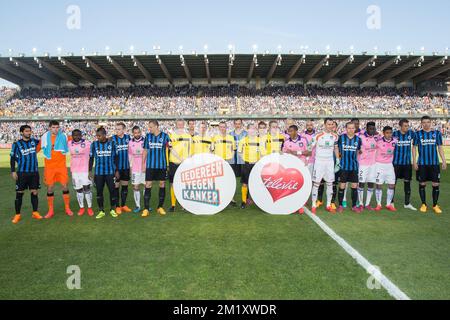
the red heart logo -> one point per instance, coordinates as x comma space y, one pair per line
281, 182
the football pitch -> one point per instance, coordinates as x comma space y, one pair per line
236, 254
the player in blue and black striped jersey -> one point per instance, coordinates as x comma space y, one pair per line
156, 152
122, 140
24, 153
428, 143
402, 159
347, 149
103, 158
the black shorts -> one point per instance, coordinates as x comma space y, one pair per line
403, 172
237, 169
155, 174
27, 180
245, 172
172, 169
124, 175
429, 173
348, 176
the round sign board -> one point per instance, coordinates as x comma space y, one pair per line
204, 184
280, 184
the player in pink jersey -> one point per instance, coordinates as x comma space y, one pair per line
297, 146
79, 166
385, 172
136, 156
367, 169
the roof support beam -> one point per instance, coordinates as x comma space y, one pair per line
375, 72
433, 73
164, 69
357, 70
15, 71
294, 69
37, 72
83, 74
252, 68
229, 72
186, 69
144, 71
399, 70
101, 72
316, 69
273, 68
59, 72
208, 73
419, 70
336, 69
122, 71
11, 78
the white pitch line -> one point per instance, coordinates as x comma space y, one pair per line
391, 288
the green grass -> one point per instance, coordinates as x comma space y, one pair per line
236, 254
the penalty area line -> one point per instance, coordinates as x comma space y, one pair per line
390, 287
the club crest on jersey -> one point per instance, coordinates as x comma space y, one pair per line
32, 143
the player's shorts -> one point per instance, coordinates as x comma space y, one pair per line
428, 173
367, 174
311, 168
80, 179
245, 172
403, 172
237, 169
385, 173
138, 178
348, 176
56, 175
323, 170
124, 175
156, 175
172, 169
27, 181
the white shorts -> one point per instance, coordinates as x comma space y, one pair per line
311, 168
137, 178
80, 179
367, 174
323, 170
385, 173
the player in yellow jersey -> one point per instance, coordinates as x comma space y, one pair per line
275, 138
180, 144
223, 145
251, 151
201, 142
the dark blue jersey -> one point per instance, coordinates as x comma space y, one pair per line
122, 151
156, 147
348, 149
24, 153
104, 155
402, 152
427, 143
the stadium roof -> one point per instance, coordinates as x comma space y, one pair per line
178, 69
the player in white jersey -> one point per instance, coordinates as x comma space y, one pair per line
323, 145
136, 155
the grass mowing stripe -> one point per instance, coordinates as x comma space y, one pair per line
390, 287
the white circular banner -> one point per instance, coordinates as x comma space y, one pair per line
204, 184
280, 184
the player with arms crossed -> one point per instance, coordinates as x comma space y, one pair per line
136, 158
104, 156
24, 152
367, 170
79, 149
402, 159
385, 172
156, 148
429, 144
347, 148
121, 141
323, 167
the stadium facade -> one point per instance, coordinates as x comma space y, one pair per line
256, 70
